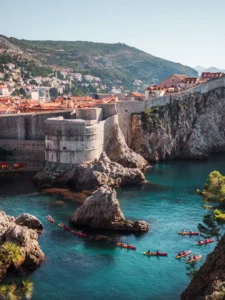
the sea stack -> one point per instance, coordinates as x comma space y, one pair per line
102, 210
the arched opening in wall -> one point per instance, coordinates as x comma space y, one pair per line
64, 148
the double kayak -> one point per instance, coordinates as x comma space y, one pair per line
78, 233
188, 232
63, 226
197, 257
155, 253
207, 241
122, 245
50, 219
183, 254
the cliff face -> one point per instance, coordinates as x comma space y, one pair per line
209, 281
191, 126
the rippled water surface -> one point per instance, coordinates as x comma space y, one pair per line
83, 268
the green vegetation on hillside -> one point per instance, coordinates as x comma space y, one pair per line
214, 189
116, 64
14, 291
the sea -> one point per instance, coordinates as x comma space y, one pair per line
94, 267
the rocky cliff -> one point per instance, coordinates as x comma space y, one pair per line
89, 175
209, 281
118, 151
102, 210
190, 126
24, 237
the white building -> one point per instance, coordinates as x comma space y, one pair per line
4, 90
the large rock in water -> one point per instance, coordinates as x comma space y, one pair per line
118, 151
102, 210
25, 238
209, 281
90, 175
29, 221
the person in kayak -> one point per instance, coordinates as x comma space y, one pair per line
190, 258
194, 257
157, 252
179, 254
191, 231
148, 252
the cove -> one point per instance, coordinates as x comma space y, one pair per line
84, 268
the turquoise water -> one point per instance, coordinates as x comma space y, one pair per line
83, 268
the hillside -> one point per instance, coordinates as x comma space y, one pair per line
115, 64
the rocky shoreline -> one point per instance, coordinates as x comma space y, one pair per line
22, 232
89, 175
209, 282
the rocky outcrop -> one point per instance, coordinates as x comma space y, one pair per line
209, 281
118, 151
25, 238
30, 221
89, 175
190, 126
102, 210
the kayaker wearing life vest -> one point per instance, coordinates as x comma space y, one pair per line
148, 252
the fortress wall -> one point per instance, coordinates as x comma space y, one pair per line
25, 151
26, 126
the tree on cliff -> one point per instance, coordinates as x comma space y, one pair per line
10, 254
16, 292
214, 189
210, 227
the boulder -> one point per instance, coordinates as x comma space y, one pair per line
102, 210
30, 221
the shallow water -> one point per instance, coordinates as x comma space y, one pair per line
83, 268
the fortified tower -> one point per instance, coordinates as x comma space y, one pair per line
74, 140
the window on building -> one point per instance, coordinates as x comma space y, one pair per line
173, 79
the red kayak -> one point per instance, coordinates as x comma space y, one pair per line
207, 241
78, 233
50, 219
63, 226
122, 245
155, 253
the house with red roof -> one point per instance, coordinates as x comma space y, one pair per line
135, 96
172, 81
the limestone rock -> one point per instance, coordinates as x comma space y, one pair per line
209, 281
30, 221
90, 175
25, 238
102, 210
118, 151
190, 126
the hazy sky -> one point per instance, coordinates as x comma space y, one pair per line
191, 32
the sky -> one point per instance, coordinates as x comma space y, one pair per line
191, 32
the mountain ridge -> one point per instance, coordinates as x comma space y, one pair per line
116, 64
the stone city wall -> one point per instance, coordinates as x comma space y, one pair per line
25, 151
26, 126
